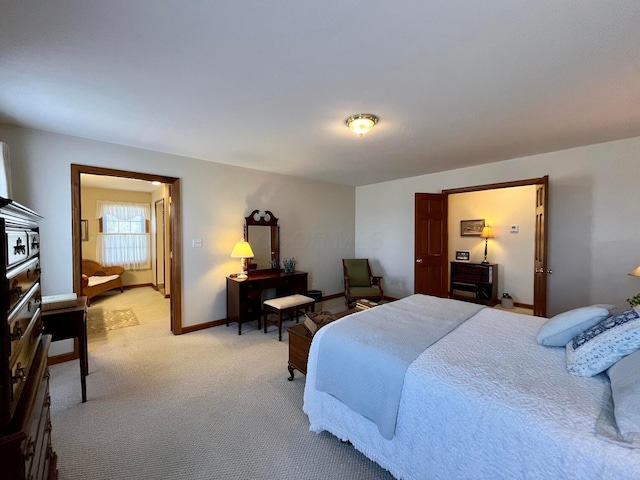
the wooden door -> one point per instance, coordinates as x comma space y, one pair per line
431, 239
540, 260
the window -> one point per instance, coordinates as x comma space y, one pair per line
124, 235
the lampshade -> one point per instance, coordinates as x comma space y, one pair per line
242, 250
636, 272
361, 123
487, 232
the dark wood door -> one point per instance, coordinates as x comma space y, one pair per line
540, 260
430, 250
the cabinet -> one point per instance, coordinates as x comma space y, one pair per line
474, 282
25, 421
245, 297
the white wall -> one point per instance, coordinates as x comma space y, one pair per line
513, 252
316, 218
594, 226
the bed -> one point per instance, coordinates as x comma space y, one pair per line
483, 401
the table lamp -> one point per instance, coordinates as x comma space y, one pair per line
487, 233
242, 250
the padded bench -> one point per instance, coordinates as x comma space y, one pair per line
292, 304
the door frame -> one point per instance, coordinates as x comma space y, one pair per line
164, 248
540, 299
175, 231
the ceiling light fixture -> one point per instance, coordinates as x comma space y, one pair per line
361, 123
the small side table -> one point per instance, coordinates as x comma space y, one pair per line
71, 322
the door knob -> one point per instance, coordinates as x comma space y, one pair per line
419, 260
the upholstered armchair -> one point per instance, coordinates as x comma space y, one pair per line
359, 282
97, 278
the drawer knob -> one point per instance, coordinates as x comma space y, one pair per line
20, 375
35, 244
17, 333
19, 247
30, 450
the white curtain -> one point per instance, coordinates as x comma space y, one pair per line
130, 250
122, 210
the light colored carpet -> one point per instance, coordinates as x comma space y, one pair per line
98, 322
205, 405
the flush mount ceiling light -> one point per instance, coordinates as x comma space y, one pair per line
361, 123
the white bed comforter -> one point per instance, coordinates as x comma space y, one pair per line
486, 401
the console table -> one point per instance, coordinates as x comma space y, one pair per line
245, 297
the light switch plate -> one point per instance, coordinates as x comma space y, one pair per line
196, 243
514, 229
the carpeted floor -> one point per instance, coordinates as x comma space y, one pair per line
206, 405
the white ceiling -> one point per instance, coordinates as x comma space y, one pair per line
268, 84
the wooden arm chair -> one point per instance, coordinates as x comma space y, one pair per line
359, 282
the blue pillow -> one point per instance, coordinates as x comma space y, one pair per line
602, 345
558, 330
625, 389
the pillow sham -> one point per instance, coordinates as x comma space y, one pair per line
600, 346
625, 389
560, 329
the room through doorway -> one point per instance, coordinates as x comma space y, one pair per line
168, 258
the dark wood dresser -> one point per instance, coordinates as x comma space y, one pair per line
25, 421
474, 282
245, 297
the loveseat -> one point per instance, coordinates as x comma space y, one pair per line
97, 278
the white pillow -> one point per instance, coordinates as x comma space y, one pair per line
600, 346
558, 330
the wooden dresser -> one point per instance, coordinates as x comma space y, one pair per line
245, 297
25, 421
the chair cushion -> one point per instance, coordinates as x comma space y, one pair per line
283, 303
358, 292
358, 272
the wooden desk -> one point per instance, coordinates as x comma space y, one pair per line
71, 322
244, 297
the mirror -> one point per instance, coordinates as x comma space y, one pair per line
262, 232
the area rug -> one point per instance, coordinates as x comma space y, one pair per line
98, 322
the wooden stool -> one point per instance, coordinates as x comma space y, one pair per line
283, 305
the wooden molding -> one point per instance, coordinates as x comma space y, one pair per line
203, 326
175, 225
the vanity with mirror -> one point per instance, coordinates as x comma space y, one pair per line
245, 296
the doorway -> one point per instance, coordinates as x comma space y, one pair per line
173, 242
431, 240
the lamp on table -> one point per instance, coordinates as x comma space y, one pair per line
242, 250
487, 233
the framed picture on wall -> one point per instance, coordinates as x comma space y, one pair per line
84, 230
471, 228
463, 255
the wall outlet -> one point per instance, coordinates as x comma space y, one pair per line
196, 243
514, 229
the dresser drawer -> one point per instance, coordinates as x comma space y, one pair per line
21, 279
22, 365
39, 428
17, 242
24, 318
